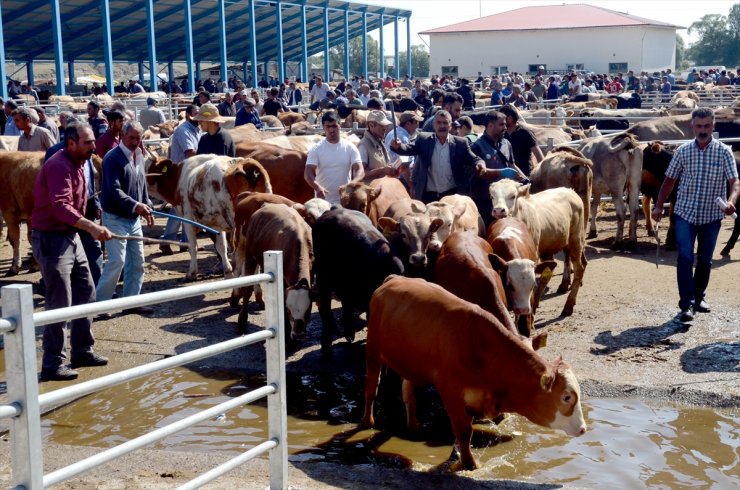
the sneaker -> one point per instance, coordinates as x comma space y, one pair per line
687, 315
89, 359
702, 307
61, 373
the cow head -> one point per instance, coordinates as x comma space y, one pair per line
560, 387
313, 209
416, 231
448, 214
298, 307
163, 178
246, 174
504, 195
358, 196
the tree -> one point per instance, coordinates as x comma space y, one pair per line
336, 56
719, 39
681, 62
419, 61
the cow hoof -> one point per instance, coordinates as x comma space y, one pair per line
260, 306
616, 246
11, 273
190, 279
563, 288
234, 302
725, 251
350, 337
651, 233
630, 245
592, 234
567, 311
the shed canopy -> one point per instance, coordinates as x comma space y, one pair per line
27, 25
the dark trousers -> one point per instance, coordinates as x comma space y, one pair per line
65, 270
428, 197
94, 254
693, 282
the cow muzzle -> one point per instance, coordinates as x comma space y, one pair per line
499, 213
298, 330
418, 260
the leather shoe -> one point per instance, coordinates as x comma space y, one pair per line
686, 316
61, 373
139, 310
90, 359
103, 316
166, 250
702, 307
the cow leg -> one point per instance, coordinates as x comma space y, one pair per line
372, 379
221, 249
409, 400
670, 239
540, 286
193, 246
250, 266
14, 237
618, 199
648, 217
579, 267
594, 209
462, 427
348, 320
567, 268
328, 324
634, 206
239, 258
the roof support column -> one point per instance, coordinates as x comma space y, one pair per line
364, 45
395, 48
222, 40
29, 73
151, 41
245, 70
56, 33
280, 60
253, 41
408, 46
381, 58
141, 72
170, 71
327, 69
189, 44
304, 65
197, 71
107, 46
71, 71
3, 73
346, 44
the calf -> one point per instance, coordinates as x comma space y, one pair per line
18, 173
512, 242
203, 189
430, 336
655, 161
555, 218
352, 258
372, 198
285, 168
565, 167
469, 219
410, 229
280, 227
617, 164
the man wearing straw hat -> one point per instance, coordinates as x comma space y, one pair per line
215, 140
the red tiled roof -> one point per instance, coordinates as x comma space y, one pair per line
550, 17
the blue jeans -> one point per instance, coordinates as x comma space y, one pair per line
172, 227
692, 284
123, 255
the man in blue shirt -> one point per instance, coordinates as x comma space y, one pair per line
247, 115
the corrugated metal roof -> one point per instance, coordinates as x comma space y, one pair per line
27, 26
551, 17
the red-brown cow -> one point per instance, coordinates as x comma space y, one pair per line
285, 168
372, 198
511, 240
430, 336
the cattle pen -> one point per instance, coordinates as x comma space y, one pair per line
25, 405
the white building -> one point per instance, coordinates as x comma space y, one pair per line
558, 37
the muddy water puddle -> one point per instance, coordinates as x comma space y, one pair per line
629, 444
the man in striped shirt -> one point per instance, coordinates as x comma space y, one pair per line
705, 168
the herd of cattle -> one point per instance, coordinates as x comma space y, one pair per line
434, 281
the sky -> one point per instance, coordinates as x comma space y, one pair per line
430, 14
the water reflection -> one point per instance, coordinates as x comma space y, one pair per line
629, 444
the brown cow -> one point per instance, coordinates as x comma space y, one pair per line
430, 336
565, 167
469, 219
204, 188
18, 173
373, 198
280, 227
290, 118
555, 218
285, 168
512, 242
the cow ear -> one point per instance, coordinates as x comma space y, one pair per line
386, 223
523, 190
499, 264
547, 381
545, 267
374, 193
415, 207
301, 209
435, 225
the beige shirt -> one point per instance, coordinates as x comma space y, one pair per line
440, 178
37, 139
373, 153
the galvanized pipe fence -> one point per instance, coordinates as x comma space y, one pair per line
25, 405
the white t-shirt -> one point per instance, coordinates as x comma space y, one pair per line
575, 85
319, 93
333, 164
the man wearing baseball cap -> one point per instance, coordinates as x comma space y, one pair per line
247, 114
373, 152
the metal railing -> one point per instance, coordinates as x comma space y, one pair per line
25, 405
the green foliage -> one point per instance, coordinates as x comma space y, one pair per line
719, 39
419, 61
681, 62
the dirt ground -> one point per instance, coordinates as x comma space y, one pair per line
623, 341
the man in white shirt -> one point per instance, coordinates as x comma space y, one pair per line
319, 90
333, 162
152, 115
574, 85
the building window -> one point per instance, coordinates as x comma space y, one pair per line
498, 70
449, 71
617, 67
574, 66
533, 69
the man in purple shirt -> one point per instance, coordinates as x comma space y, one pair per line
60, 197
